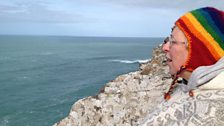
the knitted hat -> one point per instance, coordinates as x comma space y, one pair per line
204, 30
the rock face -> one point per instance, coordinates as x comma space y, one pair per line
126, 100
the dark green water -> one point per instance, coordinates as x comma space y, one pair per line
41, 77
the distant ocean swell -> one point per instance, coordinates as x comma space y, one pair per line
116, 59
130, 61
102, 58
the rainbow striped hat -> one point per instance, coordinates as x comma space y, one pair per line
204, 29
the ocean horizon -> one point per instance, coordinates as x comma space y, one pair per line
43, 76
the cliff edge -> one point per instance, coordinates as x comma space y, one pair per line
126, 100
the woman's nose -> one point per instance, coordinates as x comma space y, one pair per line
166, 47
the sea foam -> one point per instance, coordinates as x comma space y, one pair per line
130, 61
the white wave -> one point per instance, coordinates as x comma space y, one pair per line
5, 121
130, 61
25, 77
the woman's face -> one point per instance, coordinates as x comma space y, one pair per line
176, 50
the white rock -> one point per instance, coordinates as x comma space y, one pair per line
126, 100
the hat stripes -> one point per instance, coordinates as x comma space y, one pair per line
217, 17
204, 29
206, 21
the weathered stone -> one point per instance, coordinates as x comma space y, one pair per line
126, 100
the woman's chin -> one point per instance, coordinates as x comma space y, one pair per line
172, 71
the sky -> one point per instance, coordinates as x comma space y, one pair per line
108, 18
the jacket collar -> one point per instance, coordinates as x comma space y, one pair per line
207, 77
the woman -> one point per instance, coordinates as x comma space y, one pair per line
194, 52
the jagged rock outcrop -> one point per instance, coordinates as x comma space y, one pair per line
126, 100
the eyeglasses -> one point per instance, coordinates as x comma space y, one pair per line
172, 41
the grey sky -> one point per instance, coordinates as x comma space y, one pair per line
141, 18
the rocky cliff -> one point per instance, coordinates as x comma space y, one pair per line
126, 100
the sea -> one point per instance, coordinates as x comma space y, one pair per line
41, 77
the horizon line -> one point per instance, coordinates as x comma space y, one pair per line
81, 36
